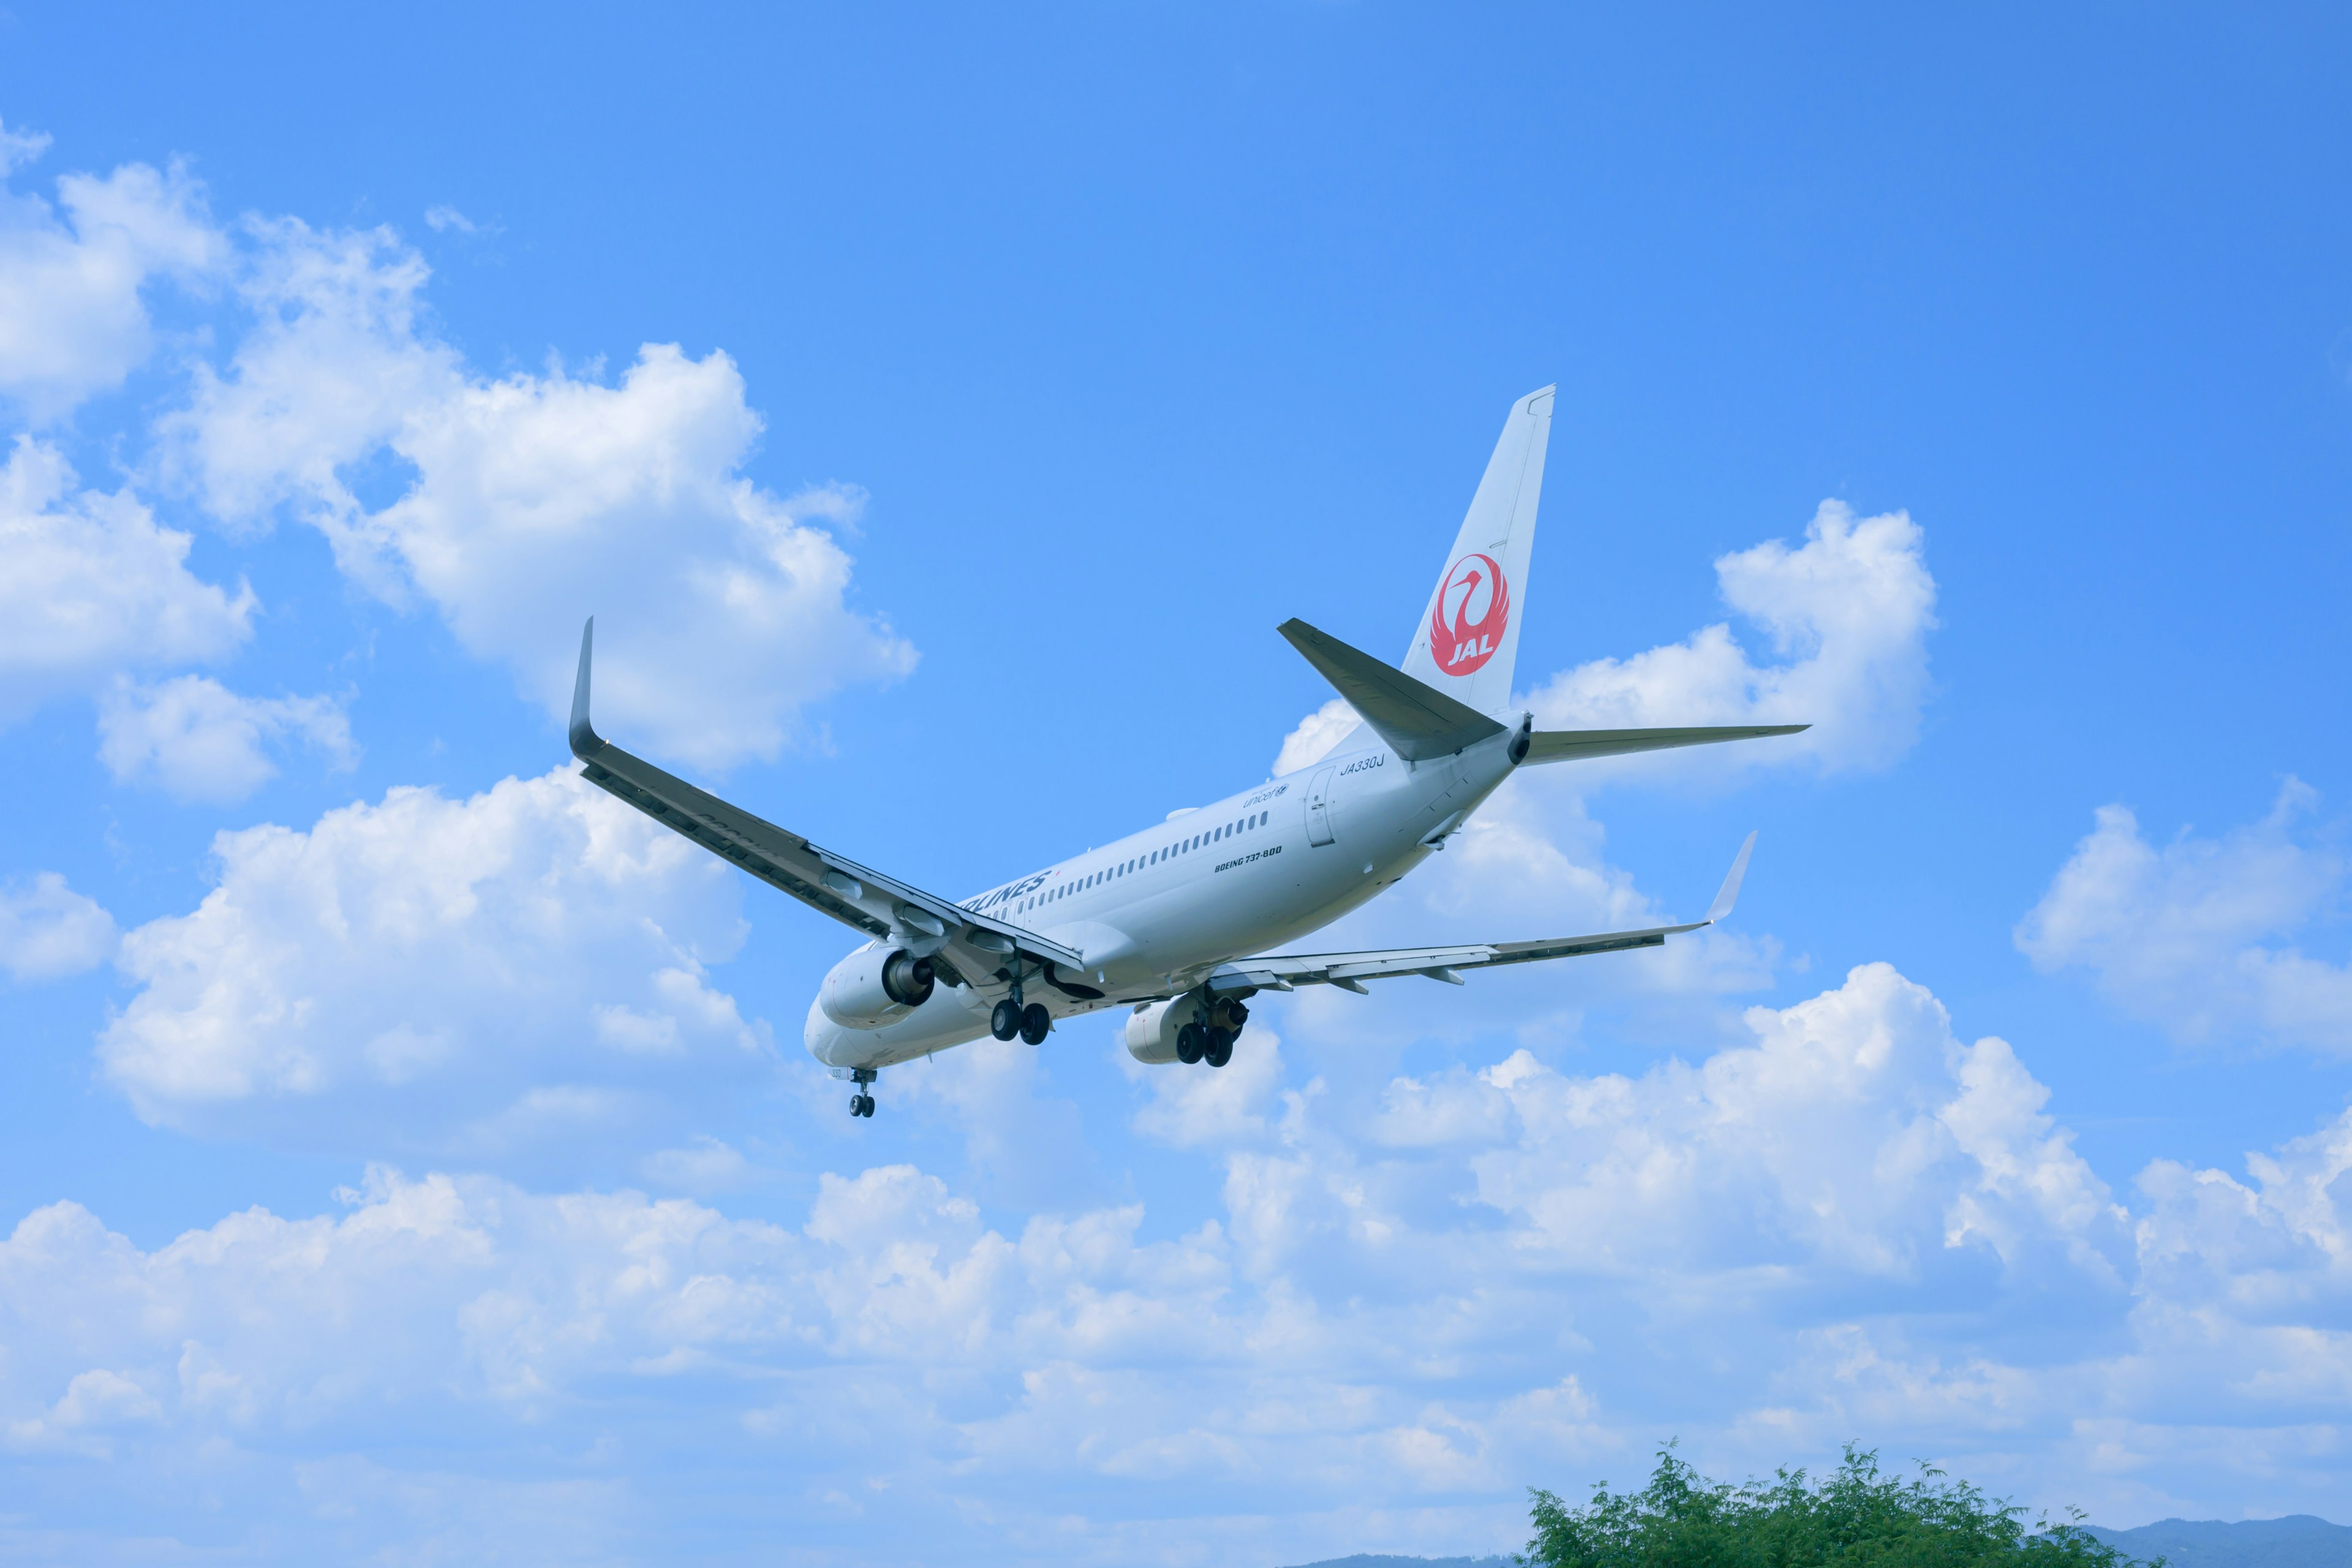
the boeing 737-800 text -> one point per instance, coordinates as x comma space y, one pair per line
1177, 922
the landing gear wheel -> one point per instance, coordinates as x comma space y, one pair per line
1220, 1048
861, 1105
1238, 1014
1005, 1022
1036, 1023
1190, 1041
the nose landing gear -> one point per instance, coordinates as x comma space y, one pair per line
860, 1102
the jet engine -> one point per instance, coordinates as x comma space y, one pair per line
874, 986
1152, 1032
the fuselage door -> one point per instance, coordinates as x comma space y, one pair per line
1318, 807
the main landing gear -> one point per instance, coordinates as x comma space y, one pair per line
1009, 1018
1210, 1040
860, 1102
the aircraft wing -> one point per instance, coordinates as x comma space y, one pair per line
870, 901
1349, 971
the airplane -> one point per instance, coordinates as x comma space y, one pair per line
1178, 923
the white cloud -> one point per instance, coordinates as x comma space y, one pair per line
1210, 1110
72, 318
443, 218
527, 504
1315, 736
703, 1165
93, 587
2190, 936
196, 740
333, 365
444, 970
1852, 1225
20, 147
48, 931
1847, 615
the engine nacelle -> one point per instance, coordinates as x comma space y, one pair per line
874, 986
1151, 1031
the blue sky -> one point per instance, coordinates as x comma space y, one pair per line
407, 1157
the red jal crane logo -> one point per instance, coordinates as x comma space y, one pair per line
1473, 608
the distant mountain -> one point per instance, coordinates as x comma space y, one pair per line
1384, 1560
2298, 1541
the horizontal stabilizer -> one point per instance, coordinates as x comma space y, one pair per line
1575, 745
1417, 720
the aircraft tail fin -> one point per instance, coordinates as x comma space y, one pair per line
1417, 722
1467, 641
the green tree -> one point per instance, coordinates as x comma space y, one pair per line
1857, 1518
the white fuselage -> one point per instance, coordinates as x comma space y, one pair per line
1156, 911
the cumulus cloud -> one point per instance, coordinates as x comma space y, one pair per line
94, 587
196, 740
1853, 1222
48, 931
2194, 936
517, 507
489, 974
702, 1166
1316, 735
1195, 1110
1857, 1133
73, 319
1846, 616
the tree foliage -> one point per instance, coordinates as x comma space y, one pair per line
1856, 1517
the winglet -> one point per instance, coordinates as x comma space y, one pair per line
1728, 894
585, 742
